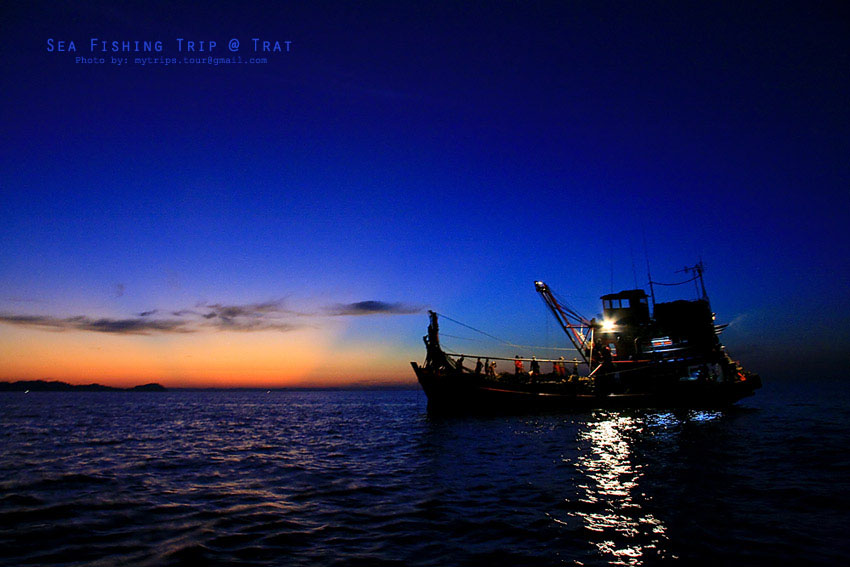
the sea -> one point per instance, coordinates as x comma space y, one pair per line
368, 477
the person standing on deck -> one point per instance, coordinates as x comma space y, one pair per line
535, 370
558, 367
517, 365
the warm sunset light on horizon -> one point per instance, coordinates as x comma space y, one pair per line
308, 356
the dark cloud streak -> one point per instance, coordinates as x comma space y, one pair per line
249, 317
253, 310
134, 326
373, 308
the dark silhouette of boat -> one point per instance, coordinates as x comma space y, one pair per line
670, 358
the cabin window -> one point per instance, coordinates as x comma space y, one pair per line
643, 300
627, 303
606, 304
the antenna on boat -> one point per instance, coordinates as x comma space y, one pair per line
648, 272
697, 269
634, 270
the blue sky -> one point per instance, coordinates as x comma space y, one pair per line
423, 155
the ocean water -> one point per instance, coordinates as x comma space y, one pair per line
368, 478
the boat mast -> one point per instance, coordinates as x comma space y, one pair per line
563, 315
649, 275
700, 267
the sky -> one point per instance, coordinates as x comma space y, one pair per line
289, 222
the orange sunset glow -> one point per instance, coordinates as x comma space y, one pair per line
303, 357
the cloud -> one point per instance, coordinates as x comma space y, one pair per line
133, 326
373, 308
250, 310
255, 325
182, 312
249, 317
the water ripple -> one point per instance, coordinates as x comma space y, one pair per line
367, 478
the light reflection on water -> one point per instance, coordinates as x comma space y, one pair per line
612, 486
611, 503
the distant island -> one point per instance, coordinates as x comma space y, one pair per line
56, 386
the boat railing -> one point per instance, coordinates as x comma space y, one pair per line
475, 356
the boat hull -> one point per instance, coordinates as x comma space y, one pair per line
467, 393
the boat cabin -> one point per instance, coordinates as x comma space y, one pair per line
625, 317
628, 307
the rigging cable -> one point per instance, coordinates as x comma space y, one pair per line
678, 283
508, 343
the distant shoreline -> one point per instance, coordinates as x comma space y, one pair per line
57, 386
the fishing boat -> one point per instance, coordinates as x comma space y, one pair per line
670, 357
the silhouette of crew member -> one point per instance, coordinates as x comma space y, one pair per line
535, 370
558, 366
607, 360
487, 369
